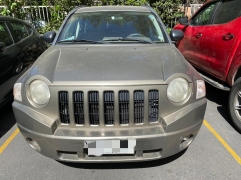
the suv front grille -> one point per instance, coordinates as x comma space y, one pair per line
111, 109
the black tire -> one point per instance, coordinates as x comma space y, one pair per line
234, 103
18, 67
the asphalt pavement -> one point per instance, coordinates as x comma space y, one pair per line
211, 155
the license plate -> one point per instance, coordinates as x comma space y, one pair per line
102, 147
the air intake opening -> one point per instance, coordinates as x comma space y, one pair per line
94, 107
138, 107
124, 107
153, 105
65, 155
79, 107
64, 107
109, 107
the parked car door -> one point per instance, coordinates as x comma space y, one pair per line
218, 38
8, 55
190, 45
24, 39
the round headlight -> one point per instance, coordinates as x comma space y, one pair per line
39, 92
178, 90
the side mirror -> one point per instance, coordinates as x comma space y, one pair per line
184, 21
176, 35
49, 36
2, 46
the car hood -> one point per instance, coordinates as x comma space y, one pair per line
110, 64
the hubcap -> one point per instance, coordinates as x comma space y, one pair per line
19, 67
237, 105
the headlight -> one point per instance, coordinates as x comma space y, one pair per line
178, 90
39, 92
201, 89
17, 91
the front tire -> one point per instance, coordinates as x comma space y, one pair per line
235, 104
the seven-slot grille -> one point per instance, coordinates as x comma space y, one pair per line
92, 106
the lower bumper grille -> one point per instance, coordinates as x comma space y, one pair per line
119, 108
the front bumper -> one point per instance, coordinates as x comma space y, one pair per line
153, 142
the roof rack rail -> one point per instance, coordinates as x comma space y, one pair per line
146, 4
80, 6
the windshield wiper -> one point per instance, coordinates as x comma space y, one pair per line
130, 40
81, 40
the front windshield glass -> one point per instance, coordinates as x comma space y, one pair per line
112, 27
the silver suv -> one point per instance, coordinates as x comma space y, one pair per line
112, 87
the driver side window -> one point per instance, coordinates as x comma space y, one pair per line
204, 16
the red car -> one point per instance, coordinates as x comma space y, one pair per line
212, 44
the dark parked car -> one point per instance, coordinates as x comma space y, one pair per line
20, 46
112, 87
212, 43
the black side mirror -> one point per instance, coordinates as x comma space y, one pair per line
184, 21
176, 35
2, 46
49, 36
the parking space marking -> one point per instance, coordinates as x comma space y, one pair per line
221, 140
8, 141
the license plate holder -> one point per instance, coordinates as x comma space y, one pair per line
110, 147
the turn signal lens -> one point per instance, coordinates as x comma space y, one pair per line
201, 89
17, 92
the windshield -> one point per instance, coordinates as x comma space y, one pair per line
112, 27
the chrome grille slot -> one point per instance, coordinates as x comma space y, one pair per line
79, 107
153, 105
138, 107
64, 107
94, 107
124, 107
109, 107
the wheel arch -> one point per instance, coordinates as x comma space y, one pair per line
237, 74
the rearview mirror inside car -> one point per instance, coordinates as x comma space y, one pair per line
2, 46
184, 21
176, 35
49, 36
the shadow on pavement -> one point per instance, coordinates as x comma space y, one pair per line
7, 119
131, 165
219, 97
